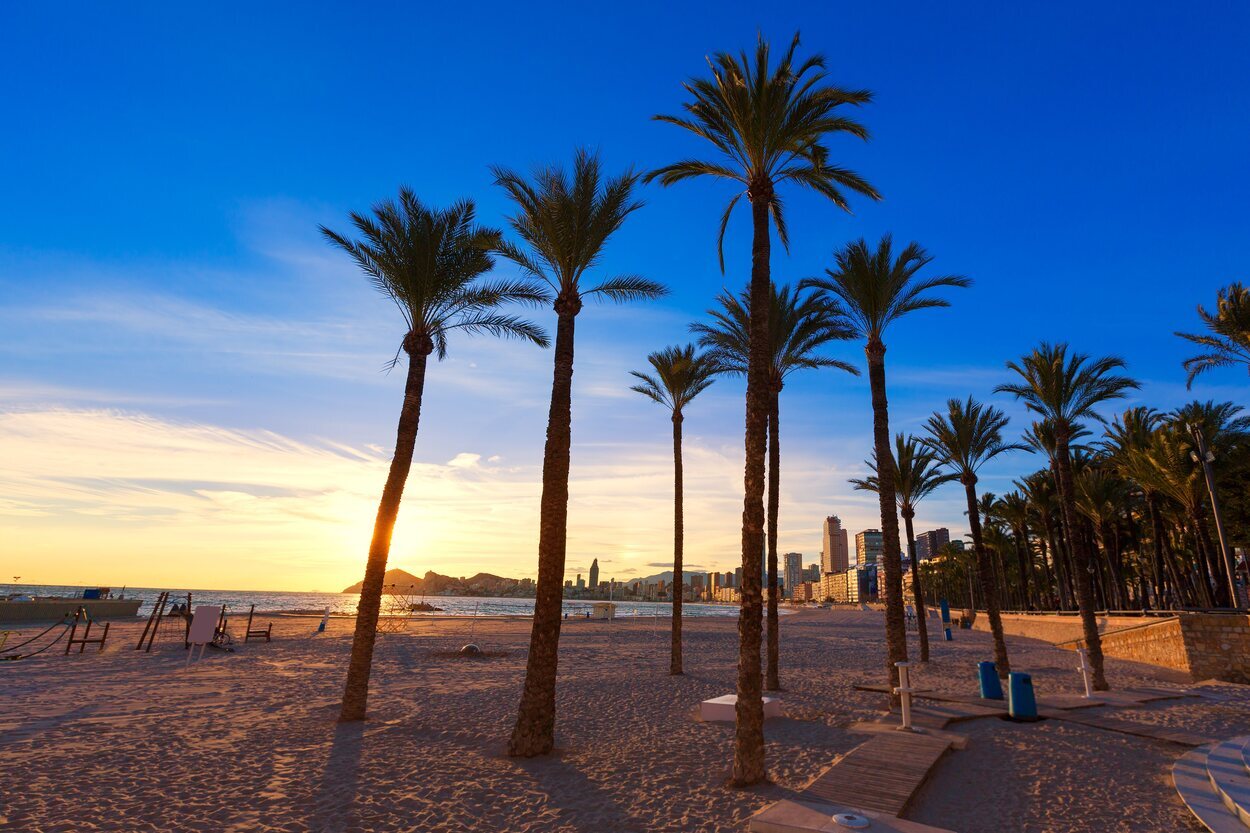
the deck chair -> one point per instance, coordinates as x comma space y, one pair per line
203, 630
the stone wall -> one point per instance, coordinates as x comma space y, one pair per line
1205, 645
1158, 643
1053, 628
1218, 646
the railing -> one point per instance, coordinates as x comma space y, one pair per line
1151, 612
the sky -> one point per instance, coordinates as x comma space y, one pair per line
192, 383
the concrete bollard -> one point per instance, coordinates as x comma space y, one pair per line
1021, 704
991, 688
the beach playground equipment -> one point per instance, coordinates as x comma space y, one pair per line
33, 645
83, 641
250, 633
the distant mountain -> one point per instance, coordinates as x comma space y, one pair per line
666, 577
433, 584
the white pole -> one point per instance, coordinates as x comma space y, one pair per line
904, 692
1085, 668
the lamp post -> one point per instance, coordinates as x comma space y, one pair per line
1204, 457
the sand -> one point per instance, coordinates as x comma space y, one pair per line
128, 741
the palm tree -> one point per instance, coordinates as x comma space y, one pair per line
1229, 340
768, 124
429, 262
1013, 508
564, 224
798, 326
1064, 390
966, 438
1126, 445
877, 288
916, 476
680, 376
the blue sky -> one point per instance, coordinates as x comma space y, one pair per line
190, 385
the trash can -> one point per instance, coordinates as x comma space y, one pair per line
1021, 704
991, 688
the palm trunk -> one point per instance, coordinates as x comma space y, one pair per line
1156, 532
916, 591
674, 665
534, 732
1022, 561
1050, 596
771, 681
895, 623
1083, 577
748, 766
356, 691
985, 568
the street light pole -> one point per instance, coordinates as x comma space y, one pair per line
1204, 457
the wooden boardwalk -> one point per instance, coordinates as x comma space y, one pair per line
881, 774
1130, 727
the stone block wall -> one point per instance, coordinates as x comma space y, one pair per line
1158, 643
1218, 646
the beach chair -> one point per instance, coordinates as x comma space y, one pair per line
265, 633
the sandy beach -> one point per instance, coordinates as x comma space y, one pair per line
128, 741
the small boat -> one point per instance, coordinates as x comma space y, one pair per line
98, 601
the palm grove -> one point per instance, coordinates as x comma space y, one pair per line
1118, 520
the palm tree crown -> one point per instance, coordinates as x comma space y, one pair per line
877, 288
798, 325
1065, 389
680, 376
566, 222
917, 473
769, 124
968, 436
1228, 341
429, 261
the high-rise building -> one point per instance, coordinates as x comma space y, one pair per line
737, 577
928, 543
715, 582
811, 572
867, 548
581, 582
834, 554
594, 574
792, 572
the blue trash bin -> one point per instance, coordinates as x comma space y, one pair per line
991, 688
1021, 704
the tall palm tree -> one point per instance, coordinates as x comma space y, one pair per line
1013, 508
967, 437
1065, 389
1223, 430
1125, 445
564, 223
916, 476
877, 288
680, 375
1228, 341
429, 262
768, 123
798, 326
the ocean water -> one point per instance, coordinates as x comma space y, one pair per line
268, 600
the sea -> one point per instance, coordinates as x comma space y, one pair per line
345, 603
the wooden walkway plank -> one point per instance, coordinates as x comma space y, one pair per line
1131, 727
881, 774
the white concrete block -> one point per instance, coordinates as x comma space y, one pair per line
723, 708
